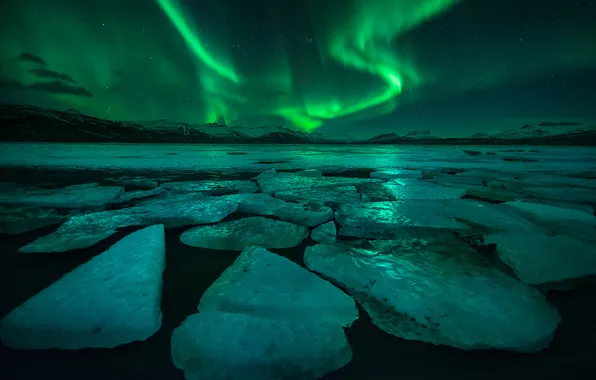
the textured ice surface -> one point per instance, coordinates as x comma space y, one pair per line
327, 195
139, 194
214, 157
325, 233
396, 173
377, 219
540, 259
309, 173
232, 346
438, 290
271, 182
111, 300
77, 196
213, 187
549, 213
238, 234
262, 283
398, 189
18, 220
83, 231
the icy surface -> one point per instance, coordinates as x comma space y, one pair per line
213, 187
398, 189
325, 158
232, 346
326, 195
541, 259
325, 233
396, 173
262, 283
83, 231
438, 290
272, 182
77, 196
111, 300
18, 220
238, 234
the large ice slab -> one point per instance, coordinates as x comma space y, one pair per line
400, 189
111, 300
265, 284
83, 231
541, 259
438, 290
232, 346
238, 234
76, 196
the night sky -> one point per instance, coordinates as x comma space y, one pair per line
349, 66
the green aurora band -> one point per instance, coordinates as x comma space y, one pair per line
311, 63
363, 41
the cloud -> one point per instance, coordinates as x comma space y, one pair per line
57, 87
28, 57
11, 84
45, 73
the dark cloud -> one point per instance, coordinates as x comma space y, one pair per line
115, 89
28, 57
57, 87
11, 84
45, 73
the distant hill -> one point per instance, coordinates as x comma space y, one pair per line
35, 124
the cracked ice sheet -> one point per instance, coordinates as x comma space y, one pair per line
215, 158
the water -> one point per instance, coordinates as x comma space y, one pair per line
190, 271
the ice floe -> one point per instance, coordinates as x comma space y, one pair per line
438, 290
238, 234
111, 300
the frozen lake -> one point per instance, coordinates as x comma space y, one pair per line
515, 222
226, 158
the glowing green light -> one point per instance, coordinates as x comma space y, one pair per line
177, 18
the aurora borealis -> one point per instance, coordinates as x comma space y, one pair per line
332, 65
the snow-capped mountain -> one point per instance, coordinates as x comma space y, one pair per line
27, 123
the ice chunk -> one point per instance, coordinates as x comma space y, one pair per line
231, 346
262, 283
77, 196
438, 290
213, 187
325, 233
238, 234
306, 214
398, 189
327, 195
111, 300
541, 259
83, 231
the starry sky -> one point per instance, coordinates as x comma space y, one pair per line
349, 66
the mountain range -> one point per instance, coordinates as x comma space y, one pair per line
35, 124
